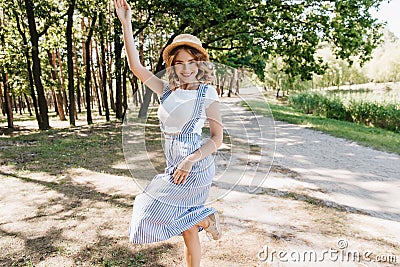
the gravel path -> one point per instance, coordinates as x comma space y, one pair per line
340, 171
325, 167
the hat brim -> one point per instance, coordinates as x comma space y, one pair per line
172, 46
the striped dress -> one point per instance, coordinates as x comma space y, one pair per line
164, 209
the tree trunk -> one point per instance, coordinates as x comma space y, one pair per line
57, 93
92, 87
28, 67
20, 105
28, 104
109, 77
84, 59
96, 90
239, 78
100, 74
7, 101
31, 86
78, 80
222, 84
14, 103
118, 45
135, 91
103, 68
88, 72
2, 106
232, 81
37, 71
124, 92
55, 102
111, 90
217, 84
70, 63
62, 82
109, 47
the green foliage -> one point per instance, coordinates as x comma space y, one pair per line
382, 115
246, 33
384, 67
318, 104
241, 34
376, 114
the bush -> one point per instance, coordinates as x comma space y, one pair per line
335, 109
382, 115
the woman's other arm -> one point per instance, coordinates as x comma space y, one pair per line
124, 13
216, 133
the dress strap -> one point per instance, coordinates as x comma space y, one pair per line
198, 110
167, 91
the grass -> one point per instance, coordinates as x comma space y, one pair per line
364, 135
55, 150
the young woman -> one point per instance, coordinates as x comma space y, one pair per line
173, 202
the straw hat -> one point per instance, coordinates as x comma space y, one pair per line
185, 39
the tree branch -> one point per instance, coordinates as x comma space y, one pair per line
21, 32
224, 48
49, 23
144, 25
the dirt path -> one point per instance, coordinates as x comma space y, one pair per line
348, 175
320, 191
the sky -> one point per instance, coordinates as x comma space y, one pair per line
389, 12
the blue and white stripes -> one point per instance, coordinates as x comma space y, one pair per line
165, 209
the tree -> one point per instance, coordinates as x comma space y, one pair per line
118, 45
103, 66
88, 70
36, 68
70, 55
248, 33
239, 33
4, 76
57, 93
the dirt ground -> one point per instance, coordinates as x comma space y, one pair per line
325, 202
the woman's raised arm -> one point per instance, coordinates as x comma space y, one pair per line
124, 13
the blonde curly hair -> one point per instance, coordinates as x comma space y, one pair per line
206, 68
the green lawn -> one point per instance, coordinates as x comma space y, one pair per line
96, 147
363, 135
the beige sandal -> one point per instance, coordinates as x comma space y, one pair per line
214, 228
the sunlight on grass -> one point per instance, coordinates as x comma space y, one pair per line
92, 147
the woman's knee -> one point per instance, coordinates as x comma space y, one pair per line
190, 232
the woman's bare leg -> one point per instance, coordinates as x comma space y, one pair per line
212, 226
192, 247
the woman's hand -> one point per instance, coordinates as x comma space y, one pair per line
182, 171
124, 12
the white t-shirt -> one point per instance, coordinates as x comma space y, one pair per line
178, 108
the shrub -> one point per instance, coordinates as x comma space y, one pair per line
371, 113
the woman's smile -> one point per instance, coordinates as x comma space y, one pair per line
186, 68
187, 75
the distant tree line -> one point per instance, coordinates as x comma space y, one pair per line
383, 67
